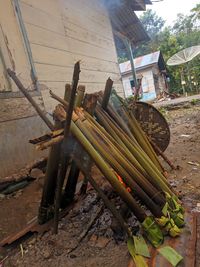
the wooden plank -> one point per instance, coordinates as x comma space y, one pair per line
50, 56
57, 73
55, 8
67, 11
50, 7
92, 10
42, 37
84, 34
42, 19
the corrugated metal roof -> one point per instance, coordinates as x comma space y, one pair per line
140, 62
124, 20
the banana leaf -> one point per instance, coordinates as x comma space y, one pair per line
152, 231
138, 259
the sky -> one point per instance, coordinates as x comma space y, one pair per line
168, 9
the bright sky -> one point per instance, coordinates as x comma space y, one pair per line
168, 9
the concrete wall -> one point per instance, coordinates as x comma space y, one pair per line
18, 123
16, 152
60, 32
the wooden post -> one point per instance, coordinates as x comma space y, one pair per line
107, 93
80, 95
67, 92
90, 102
72, 179
48, 194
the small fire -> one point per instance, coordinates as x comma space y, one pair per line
122, 182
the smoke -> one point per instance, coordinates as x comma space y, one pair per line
112, 4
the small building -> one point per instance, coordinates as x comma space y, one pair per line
151, 69
41, 41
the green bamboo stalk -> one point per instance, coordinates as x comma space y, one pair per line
143, 141
154, 174
135, 174
120, 146
109, 153
108, 173
106, 124
149, 167
138, 133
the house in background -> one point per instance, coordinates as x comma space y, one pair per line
151, 69
41, 41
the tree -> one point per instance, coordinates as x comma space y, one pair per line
169, 40
152, 23
196, 13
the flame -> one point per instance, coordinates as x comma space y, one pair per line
128, 189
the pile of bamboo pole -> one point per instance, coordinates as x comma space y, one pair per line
121, 151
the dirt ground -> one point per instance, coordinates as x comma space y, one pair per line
101, 246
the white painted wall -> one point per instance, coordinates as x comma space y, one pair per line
148, 86
64, 31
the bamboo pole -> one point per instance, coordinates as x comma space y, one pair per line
106, 201
108, 173
79, 96
157, 149
121, 158
107, 93
89, 105
154, 174
72, 179
64, 157
30, 99
109, 155
113, 132
143, 141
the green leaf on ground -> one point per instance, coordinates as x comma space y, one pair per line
141, 247
171, 255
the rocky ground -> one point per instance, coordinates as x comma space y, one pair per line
102, 246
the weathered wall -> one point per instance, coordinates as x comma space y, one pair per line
18, 123
64, 31
160, 81
12, 48
148, 86
15, 151
60, 32
18, 120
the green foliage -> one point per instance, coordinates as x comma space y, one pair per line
152, 23
169, 40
